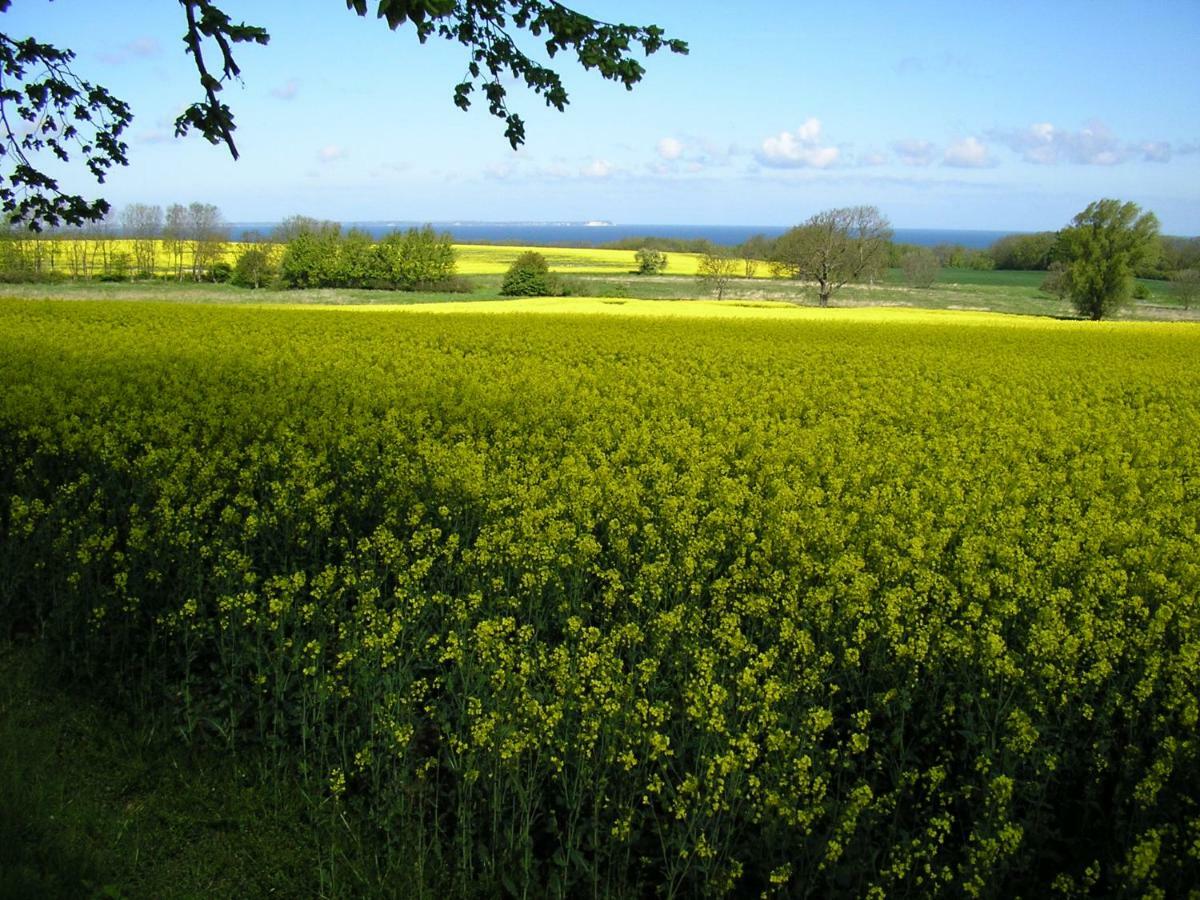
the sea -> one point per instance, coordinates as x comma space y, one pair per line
597, 234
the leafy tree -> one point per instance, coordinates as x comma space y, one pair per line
1185, 286
1180, 253
920, 266
650, 261
1101, 249
418, 258
357, 261
253, 268
310, 258
77, 118
1024, 251
716, 270
834, 247
529, 276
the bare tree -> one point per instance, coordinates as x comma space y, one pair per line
207, 235
920, 266
175, 233
835, 247
1185, 286
716, 270
753, 251
99, 233
142, 223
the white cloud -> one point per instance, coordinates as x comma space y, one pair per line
597, 168
287, 90
670, 148
1092, 145
874, 158
914, 152
1155, 151
969, 153
801, 148
331, 153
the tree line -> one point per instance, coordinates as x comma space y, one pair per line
192, 243
1092, 262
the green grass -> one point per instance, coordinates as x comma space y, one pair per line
956, 289
97, 803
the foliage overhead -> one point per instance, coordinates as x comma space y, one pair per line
66, 114
46, 107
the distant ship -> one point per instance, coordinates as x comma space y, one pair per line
598, 223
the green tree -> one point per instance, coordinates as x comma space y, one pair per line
1100, 250
1024, 251
716, 270
253, 268
415, 259
81, 120
833, 248
650, 261
310, 257
529, 276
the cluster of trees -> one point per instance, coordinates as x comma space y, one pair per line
143, 241
191, 243
1092, 262
320, 254
830, 249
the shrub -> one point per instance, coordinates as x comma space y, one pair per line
650, 261
920, 267
530, 276
1140, 291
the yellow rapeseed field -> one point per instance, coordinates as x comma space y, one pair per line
583, 598
73, 256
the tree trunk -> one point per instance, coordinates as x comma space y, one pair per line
823, 298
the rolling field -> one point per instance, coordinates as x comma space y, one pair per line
676, 598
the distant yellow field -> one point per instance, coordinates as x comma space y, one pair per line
746, 310
474, 259
86, 256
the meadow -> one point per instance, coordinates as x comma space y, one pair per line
626, 598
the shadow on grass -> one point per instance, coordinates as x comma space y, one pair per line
95, 805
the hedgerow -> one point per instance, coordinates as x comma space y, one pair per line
584, 605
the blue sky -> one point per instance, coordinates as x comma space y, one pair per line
945, 115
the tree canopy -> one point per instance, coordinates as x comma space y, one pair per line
834, 247
1100, 250
46, 107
